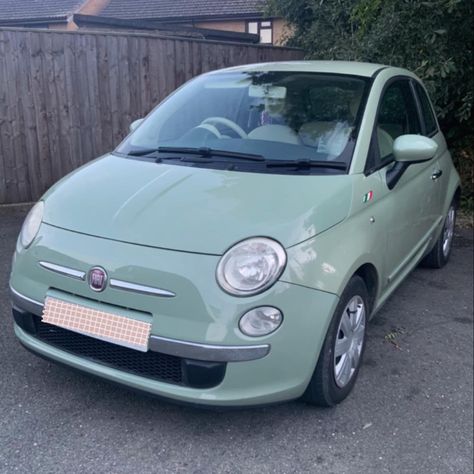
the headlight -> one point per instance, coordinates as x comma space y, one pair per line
251, 266
32, 224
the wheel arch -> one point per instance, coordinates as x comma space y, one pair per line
368, 272
457, 196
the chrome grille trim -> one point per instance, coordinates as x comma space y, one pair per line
142, 289
114, 283
65, 271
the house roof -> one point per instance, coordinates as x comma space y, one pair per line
183, 9
36, 11
164, 28
15, 11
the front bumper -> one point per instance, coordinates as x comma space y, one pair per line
164, 345
199, 325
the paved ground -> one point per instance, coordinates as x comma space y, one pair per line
411, 411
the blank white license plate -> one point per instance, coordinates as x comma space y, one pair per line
98, 324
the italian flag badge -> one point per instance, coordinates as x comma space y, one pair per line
368, 197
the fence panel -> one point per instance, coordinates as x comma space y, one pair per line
67, 97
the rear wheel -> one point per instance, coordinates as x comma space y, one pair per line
439, 254
341, 355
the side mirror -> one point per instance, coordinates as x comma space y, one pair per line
414, 149
408, 150
135, 124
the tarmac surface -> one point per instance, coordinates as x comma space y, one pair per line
411, 410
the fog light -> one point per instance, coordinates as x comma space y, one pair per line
260, 321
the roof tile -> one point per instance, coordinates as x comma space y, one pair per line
166, 9
37, 9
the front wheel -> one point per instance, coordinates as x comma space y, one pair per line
439, 254
341, 354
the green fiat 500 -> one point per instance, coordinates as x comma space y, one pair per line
233, 248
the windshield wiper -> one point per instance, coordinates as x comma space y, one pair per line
201, 151
306, 164
184, 159
204, 154
144, 152
206, 151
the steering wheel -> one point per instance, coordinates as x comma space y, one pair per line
228, 123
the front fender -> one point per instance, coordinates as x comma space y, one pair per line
328, 261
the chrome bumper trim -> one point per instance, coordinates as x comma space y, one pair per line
25, 303
207, 352
142, 289
184, 349
65, 271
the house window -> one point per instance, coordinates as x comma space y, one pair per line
262, 28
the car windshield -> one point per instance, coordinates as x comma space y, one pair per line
278, 115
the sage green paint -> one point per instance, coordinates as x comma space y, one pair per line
135, 124
167, 226
200, 312
413, 148
175, 207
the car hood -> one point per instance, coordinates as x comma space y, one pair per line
193, 209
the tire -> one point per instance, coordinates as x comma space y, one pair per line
328, 385
440, 253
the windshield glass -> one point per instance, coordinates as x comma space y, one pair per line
277, 115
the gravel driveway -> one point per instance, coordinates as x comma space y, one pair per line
411, 410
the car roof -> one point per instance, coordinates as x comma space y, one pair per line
335, 67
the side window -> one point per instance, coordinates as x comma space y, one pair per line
397, 116
426, 110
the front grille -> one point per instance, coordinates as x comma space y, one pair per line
154, 365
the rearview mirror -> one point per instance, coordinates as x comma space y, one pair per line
135, 124
414, 149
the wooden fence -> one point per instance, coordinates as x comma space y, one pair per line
67, 97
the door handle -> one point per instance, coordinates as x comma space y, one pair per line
436, 174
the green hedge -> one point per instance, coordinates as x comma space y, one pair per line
432, 38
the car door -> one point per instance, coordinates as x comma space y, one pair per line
410, 207
431, 130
